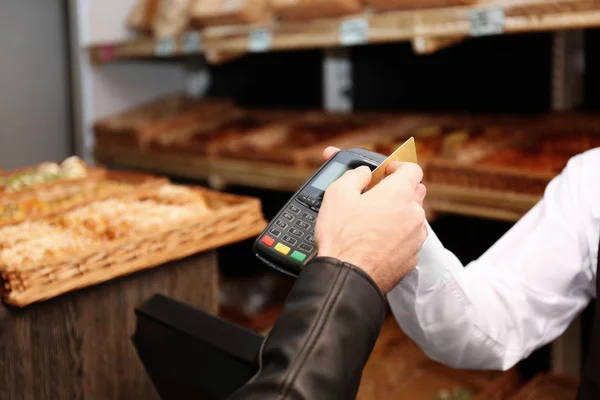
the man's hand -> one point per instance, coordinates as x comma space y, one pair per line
380, 231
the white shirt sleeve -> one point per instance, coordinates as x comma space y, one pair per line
520, 294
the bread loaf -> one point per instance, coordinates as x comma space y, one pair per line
172, 18
141, 17
229, 12
138, 126
311, 9
385, 5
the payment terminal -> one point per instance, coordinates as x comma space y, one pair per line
288, 242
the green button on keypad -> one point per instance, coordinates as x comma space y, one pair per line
300, 257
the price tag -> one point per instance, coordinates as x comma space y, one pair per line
354, 31
260, 40
192, 42
486, 22
165, 47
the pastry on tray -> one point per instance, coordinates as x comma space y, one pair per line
142, 15
303, 139
570, 144
45, 173
55, 199
225, 134
171, 17
67, 195
227, 12
449, 141
525, 160
136, 127
545, 153
86, 228
429, 143
299, 10
386, 5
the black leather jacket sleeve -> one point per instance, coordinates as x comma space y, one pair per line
323, 338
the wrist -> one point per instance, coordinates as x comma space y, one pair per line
359, 262
319, 259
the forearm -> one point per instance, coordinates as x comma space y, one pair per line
323, 338
433, 310
521, 294
447, 325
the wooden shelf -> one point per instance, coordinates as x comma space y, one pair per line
219, 173
428, 30
489, 204
441, 199
187, 44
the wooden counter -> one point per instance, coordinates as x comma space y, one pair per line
78, 346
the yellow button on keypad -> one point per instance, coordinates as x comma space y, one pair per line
282, 248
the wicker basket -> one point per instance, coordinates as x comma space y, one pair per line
92, 173
460, 138
343, 131
548, 387
226, 134
233, 218
505, 179
136, 127
551, 137
70, 194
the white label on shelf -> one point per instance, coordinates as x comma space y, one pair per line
260, 40
192, 43
165, 47
354, 31
486, 21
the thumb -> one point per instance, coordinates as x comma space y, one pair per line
329, 152
356, 179
392, 167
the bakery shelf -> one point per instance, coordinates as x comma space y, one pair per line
428, 30
218, 173
189, 43
441, 199
498, 205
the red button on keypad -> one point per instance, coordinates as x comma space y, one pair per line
268, 240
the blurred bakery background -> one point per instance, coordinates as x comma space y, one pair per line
240, 97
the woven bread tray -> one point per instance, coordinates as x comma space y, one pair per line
477, 177
231, 219
227, 132
460, 138
303, 139
526, 166
548, 387
65, 195
136, 127
92, 173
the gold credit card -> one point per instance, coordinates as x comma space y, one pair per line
407, 152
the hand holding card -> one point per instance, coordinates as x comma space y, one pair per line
356, 227
407, 152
